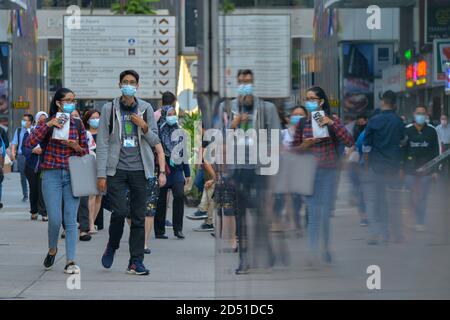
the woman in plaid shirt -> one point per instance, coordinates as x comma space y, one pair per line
325, 151
56, 177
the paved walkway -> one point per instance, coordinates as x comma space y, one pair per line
190, 269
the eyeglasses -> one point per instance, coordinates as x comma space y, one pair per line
129, 83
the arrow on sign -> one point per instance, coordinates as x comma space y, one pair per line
164, 83
164, 42
163, 62
163, 21
164, 52
164, 73
163, 31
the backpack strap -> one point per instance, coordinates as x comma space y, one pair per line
19, 131
111, 118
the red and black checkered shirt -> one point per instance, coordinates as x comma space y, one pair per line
56, 155
325, 151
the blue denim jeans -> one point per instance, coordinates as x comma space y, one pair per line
420, 189
320, 205
23, 178
57, 188
380, 193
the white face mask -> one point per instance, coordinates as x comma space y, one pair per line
444, 122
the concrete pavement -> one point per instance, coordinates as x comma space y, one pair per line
179, 269
191, 269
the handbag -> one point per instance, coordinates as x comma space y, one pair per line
83, 175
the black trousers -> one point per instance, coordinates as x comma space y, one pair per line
136, 182
37, 204
252, 194
83, 214
177, 207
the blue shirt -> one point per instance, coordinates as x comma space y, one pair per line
18, 141
384, 134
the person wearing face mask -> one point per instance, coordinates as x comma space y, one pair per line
126, 136
421, 147
33, 172
250, 112
285, 172
91, 120
179, 173
355, 163
16, 152
56, 176
443, 130
325, 150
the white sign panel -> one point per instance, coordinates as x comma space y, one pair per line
261, 43
394, 78
104, 46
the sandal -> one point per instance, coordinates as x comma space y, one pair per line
34, 216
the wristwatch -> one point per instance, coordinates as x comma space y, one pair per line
162, 172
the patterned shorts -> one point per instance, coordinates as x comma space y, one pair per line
152, 198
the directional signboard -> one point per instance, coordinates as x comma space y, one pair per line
104, 46
261, 43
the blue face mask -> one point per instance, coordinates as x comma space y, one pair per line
128, 90
245, 90
94, 123
69, 107
420, 119
23, 123
172, 120
295, 120
312, 106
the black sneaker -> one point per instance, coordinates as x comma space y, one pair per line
49, 261
1, 205
108, 257
198, 215
137, 267
179, 234
204, 228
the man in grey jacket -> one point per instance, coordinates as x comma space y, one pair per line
250, 112
125, 161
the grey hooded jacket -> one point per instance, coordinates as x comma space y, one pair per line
108, 146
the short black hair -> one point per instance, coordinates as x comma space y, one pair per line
361, 116
133, 73
29, 116
422, 106
168, 98
299, 107
390, 98
244, 72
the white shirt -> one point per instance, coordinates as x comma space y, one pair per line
444, 133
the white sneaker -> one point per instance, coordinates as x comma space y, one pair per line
72, 268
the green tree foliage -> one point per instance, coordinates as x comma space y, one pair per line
135, 7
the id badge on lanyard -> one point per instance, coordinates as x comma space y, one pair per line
129, 140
